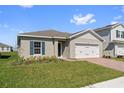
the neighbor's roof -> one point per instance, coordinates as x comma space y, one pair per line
4, 45
107, 27
48, 33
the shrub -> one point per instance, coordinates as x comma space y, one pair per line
46, 59
32, 60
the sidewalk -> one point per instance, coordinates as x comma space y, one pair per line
114, 83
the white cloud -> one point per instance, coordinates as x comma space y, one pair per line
114, 22
83, 19
21, 31
92, 21
26, 6
117, 17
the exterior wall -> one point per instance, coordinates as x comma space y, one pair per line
65, 49
6, 49
105, 34
109, 49
116, 47
87, 38
110, 35
113, 33
24, 48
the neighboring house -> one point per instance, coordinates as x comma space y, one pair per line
83, 44
114, 39
5, 48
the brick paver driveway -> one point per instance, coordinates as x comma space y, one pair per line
117, 65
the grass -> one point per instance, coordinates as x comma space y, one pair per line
119, 59
52, 75
8, 57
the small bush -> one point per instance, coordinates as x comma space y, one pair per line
35, 59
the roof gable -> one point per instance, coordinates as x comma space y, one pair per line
87, 31
108, 27
4, 45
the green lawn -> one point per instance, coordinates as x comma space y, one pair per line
8, 57
49, 75
119, 59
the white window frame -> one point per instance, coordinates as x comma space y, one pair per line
120, 34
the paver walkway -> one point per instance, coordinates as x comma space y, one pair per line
117, 65
114, 83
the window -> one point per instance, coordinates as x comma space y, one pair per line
117, 33
7, 48
2, 48
122, 34
37, 47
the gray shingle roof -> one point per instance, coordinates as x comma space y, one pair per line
106, 27
51, 33
4, 45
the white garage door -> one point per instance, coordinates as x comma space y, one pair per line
86, 51
120, 50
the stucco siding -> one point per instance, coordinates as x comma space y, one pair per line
50, 49
65, 49
24, 49
87, 38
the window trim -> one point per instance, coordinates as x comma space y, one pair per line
119, 34
41, 47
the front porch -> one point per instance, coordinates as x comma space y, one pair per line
61, 48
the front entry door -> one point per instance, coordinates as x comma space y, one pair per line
59, 49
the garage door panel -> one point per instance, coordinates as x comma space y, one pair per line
86, 51
120, 50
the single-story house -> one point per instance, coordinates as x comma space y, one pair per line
5, 48
83, 44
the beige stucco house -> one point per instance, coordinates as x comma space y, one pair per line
83, 44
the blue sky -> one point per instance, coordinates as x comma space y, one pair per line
16, 19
